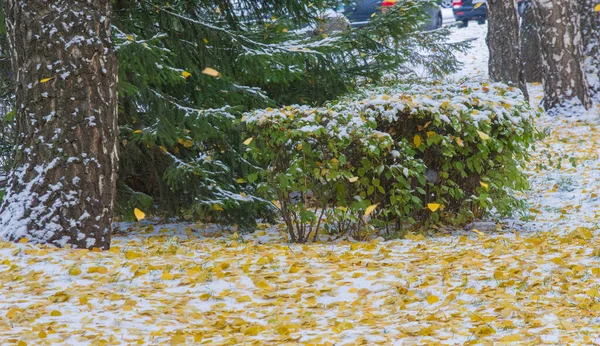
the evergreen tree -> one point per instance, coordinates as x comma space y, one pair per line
190, 68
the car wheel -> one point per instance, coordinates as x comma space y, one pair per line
446, 3
439, 22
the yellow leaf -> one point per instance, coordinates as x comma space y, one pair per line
262, 284
185, 142
139, 215
478, 232
293, 268
248, 141
276, 203
241, 181
509, 338
417, 141
353, 179
166, 276
370, 209
12, 312
131, 255
46, 80
75, 271
483, 135
42, 334
592, 292
252, 331
477, 5
433, 299
597, 8
217, 207
459, 142
178, 339
430, 134
23, 240
102, 270
130, 37
262, 260
433, 206
185, 74
211, 72
21, 343
137, 131
484, 185
498, 275
55, 313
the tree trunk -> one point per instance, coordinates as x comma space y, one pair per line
503, 41
530, 47
62, 186
590, 28
558, 23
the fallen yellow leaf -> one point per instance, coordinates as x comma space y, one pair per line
370, 209
432, 299
211, 72
417, 141
433, 206
139, 215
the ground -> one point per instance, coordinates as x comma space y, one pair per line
532, 282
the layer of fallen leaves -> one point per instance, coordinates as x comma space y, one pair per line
175, 286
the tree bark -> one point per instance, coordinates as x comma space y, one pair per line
558, 23
590, 28
530, 47
505, 63
62, 186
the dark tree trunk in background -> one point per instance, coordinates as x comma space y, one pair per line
62, 185
590, 28
503, 41
558, 23
530, 47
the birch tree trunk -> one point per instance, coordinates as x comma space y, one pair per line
62, 186
505, 64
558, 24
590, 28
530, 47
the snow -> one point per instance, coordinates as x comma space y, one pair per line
534, 285
476, 59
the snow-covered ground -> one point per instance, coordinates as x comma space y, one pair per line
476, 59
194, 284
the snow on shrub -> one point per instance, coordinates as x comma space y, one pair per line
397, 157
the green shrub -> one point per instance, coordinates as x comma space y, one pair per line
396, 157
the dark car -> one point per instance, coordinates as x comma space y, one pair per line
467, 10
360, 12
